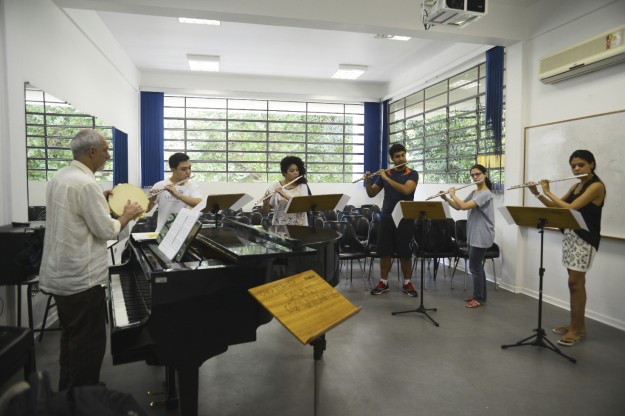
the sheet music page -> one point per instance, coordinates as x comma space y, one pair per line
178, 232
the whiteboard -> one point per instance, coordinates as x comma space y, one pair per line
549, 146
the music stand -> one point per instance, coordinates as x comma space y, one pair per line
421, 210
216, 203
314, 203
540, 217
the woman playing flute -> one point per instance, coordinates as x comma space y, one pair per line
282, 191
480, 228
578, 246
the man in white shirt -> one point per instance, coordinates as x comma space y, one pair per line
74, 264
176, 192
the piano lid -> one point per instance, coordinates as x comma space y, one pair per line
236, 241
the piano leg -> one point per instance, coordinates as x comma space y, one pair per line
188, 380
170, 385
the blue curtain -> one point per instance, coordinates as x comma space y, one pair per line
373, 138
385, 134
152, 136
120, 152
494, 93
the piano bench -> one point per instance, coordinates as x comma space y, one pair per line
16, 350
32, 287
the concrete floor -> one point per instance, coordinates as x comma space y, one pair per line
379, 364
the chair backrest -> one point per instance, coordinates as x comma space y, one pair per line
266, 222
330, 215
359, 223
434, 236
372, 236
348, 240
256, 217
242, 219
348, 208
461, 233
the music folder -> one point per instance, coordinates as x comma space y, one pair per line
180, 234
307, 203
216, 203
553, 217
432, 210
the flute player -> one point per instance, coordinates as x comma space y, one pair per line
578, 246
480, 228
292, 168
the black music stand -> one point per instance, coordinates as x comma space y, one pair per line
314, 203
216, 203
540, 217
418, 210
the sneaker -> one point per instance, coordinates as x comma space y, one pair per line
409, 289
379, 288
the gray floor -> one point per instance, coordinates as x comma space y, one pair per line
379, 364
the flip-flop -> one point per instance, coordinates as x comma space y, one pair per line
568, 341
473, 304
563, 330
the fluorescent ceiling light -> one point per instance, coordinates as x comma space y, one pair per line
203, 63
199, 21
349, 71
392, 37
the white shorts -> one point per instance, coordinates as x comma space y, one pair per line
577, 254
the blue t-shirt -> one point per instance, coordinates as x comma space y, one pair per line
392, 196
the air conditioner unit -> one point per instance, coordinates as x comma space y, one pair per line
457, 13
599, 52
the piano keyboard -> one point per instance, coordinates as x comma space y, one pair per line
128, 302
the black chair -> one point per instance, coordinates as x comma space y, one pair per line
256, 217
330, 215
242, 219
350, 248
348, 208
372, 247
463, 252
360, 224
433, 240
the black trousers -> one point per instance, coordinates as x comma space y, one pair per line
83, 337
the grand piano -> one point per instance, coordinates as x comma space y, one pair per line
179, 314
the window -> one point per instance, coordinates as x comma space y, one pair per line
443, 129
51, 124
239, 140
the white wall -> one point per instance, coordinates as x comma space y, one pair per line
45, 48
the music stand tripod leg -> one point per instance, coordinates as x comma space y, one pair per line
541, 339
421, 309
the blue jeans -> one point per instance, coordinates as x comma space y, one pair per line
476, 265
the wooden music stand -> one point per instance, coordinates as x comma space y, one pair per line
216, 203
540, 217
308, 307
420, 210
314, 203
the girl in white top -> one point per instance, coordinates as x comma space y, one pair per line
291, 167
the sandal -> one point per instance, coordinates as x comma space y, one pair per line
563, 330
469, 299
473, 304
570, 340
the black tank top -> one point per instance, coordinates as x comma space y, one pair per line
591, 214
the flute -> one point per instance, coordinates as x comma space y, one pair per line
527, 185
458, 188
153, 194
272, 193
378, 172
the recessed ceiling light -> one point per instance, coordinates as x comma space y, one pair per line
199, 21
203, 62
349, 71
392, 37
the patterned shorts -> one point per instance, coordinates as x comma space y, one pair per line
577, 254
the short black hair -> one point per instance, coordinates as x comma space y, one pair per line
396, 147
176, 158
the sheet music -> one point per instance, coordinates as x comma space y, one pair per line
178, 232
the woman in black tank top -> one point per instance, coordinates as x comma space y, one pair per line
578, 246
